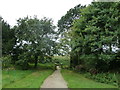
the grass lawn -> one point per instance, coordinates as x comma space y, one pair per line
24, 78
76, 80
10, 76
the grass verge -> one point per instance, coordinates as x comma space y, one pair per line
25, 78
76, 80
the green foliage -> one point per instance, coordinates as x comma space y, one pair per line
76, 80
64, 60
117, 76
90, 61
65, 23
64, 27
94, 35
23, 60
46, 66
40, 44
6, 61
8, 38
108, 78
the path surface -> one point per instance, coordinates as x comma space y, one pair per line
55, 81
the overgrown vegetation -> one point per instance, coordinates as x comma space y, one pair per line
76, 80
108, 78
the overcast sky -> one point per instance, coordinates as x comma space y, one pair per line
11, 10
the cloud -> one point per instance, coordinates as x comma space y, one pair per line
11, 10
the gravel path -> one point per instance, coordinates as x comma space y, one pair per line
55, 81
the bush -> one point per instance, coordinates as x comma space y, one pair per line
22, 64
23, 61
93, 71
6, 61
108, 78
98, 62
80, 68
89, 61
117, 75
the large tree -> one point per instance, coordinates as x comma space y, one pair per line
36, 38
95, 34
64, 27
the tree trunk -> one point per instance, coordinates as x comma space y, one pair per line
110, 46
36, 61
70, 62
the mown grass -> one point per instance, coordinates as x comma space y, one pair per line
0, 79
25, 78
76, 80
11, 76
33, 80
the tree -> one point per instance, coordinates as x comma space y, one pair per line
94, 35
36, 38
64, 27
8, 39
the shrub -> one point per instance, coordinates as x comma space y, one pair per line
108, 78
80, 68
90, 61
117, 75
6, 61
22, 64
23, 61
93, 71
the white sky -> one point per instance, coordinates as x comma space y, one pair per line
11, 10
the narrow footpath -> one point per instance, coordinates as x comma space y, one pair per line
55, 81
